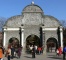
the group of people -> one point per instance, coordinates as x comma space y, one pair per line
38, 49
12, 52
34, 49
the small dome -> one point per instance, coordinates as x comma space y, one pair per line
32, 8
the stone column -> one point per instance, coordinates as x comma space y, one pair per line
22, 37
61, 36
4, 39
44, 43
23, 44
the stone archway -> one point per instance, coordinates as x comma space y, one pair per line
13, 41
32, 40
52, 44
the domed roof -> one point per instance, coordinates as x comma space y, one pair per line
50, 21
32, 8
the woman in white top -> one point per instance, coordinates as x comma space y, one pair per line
8, 53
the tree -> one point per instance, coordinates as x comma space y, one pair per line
2, 22
63, 22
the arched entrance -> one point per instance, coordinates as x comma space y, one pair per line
32, 40
13, 41
52, 45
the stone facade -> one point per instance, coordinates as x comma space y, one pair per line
30, 21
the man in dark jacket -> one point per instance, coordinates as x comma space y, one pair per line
64, 52
12, 52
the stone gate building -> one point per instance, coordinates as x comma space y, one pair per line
32, 23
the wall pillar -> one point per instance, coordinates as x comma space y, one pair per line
4, 38
22, 38
44, 40
61, 36
22, 43
44, 43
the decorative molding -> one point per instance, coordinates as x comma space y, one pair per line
16, 29
49, 29
12, 29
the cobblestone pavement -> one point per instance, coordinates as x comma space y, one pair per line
48, 56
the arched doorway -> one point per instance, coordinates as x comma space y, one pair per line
52, 45
13, 41
32, 40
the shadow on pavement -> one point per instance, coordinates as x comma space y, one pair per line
27, 56
53, 57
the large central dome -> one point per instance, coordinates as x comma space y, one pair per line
32, 8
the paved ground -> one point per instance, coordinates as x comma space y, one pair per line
48, 56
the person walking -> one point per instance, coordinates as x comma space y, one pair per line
60, 51
19, 52
39, 50
31, 47
57, 52
16, 51
33, 52
12, 52
8, 52
1, 53
36, 49
64, 52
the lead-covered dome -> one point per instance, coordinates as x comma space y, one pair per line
32, 8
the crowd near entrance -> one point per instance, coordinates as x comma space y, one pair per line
52, 45
32, 40
14, 49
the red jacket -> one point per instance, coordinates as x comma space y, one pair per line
60, 50
39, 48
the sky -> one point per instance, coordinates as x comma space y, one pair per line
55, 8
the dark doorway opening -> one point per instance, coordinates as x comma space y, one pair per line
13, 42
32, 40
52, 45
